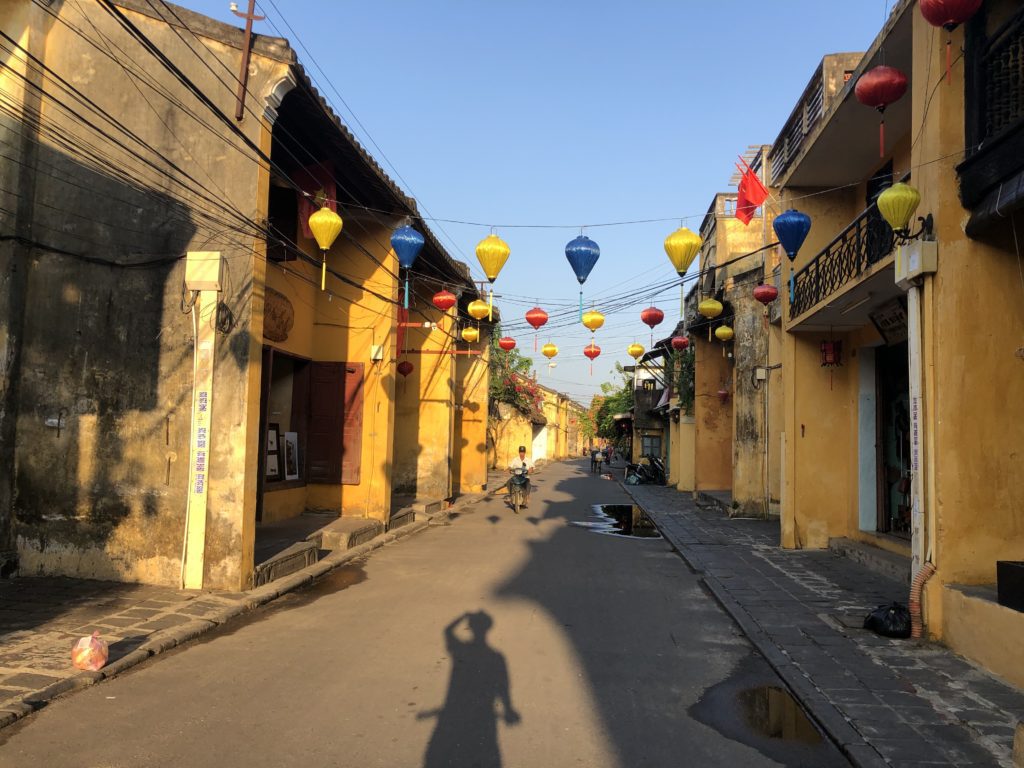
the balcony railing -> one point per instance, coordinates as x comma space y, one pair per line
867, 240
806, 115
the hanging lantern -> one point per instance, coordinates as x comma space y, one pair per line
325, 225
470, 334
591, 351
710, 308
549, 350
791, 228
492, 252
652, 316
592, 320
636, 351
879, 87
507, 343
404, 368
897, 205
681, 246
831, 354
766, 294
723, 395
536, 317
680, 343
582, 253
444, 300
948, 14
724, 333
407, 244
478, 309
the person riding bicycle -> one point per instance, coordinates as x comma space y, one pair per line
522, 463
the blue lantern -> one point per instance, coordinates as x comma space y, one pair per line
791, 228
582, 253
407, 244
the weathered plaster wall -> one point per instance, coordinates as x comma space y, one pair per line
107, 352
510, 429
472, 381
712, 372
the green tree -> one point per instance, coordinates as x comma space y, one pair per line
509, 382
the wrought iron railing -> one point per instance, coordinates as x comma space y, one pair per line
867, 240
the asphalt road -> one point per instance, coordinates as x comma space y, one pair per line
496, 640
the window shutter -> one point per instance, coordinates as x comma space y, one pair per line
326, 422
351, 452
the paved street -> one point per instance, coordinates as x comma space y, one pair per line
564, 647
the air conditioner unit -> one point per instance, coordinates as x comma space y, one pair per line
914, 259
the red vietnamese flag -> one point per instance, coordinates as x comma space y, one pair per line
751, 194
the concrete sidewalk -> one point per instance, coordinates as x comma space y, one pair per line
885, 702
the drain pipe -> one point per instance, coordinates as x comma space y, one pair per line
924, 573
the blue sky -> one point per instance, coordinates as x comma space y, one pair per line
566, 113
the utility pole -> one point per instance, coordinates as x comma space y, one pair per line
243, 73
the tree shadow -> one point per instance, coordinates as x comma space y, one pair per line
467, 724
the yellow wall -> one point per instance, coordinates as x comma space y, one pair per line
712, 372
510, 430
682, 453
472, 379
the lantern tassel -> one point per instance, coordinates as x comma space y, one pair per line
581, 304
406, 293
490, 304
881, 138
949, 60
323, 274
792, 286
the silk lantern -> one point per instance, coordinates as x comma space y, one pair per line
536, 317
478, 309
636, 351
444, 300
592, 320
507, 343
404, 368
879, 87
492, 252
325, 225
680, 343
724, 333
681, 247
470, 334
765, 294
582, 253
948, 14
897, 205
791, 228
407, 243
591, 351
710, 309
549, 350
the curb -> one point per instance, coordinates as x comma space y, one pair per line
830, 720
164, 640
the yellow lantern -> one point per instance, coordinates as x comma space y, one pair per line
549, 350
470, 334
724, 333
492, 252
593, 320
897, 205
636, 351
325, 225
710, 308
478, 309
681, 246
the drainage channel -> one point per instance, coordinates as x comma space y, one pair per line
620, 520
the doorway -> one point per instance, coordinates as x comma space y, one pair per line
893, 429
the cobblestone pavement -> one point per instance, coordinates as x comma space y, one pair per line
896, 702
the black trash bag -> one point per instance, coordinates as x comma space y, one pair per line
891, 620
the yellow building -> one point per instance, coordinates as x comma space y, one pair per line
908, 437
234, 376
547, 423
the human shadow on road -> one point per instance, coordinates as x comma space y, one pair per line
467, 725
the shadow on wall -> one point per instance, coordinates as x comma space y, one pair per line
478, 694
105, 381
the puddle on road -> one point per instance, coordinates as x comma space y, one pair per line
621, 520
774, 713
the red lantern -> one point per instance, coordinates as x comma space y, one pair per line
879, 87
404, 368
592, 351
652, 316
766, 294
507, 343
948, 14
723, 395
831, 353
444, 300
679, 343
536, 317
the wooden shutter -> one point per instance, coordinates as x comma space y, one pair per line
352, 447
335, 440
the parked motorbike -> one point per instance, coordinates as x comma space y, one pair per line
517, 488
650, 470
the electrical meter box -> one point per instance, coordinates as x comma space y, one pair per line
914, 259
204, 271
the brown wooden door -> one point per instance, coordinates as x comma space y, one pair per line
335, 423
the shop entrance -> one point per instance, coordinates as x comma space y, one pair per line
893, 444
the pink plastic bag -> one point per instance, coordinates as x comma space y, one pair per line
90, 653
